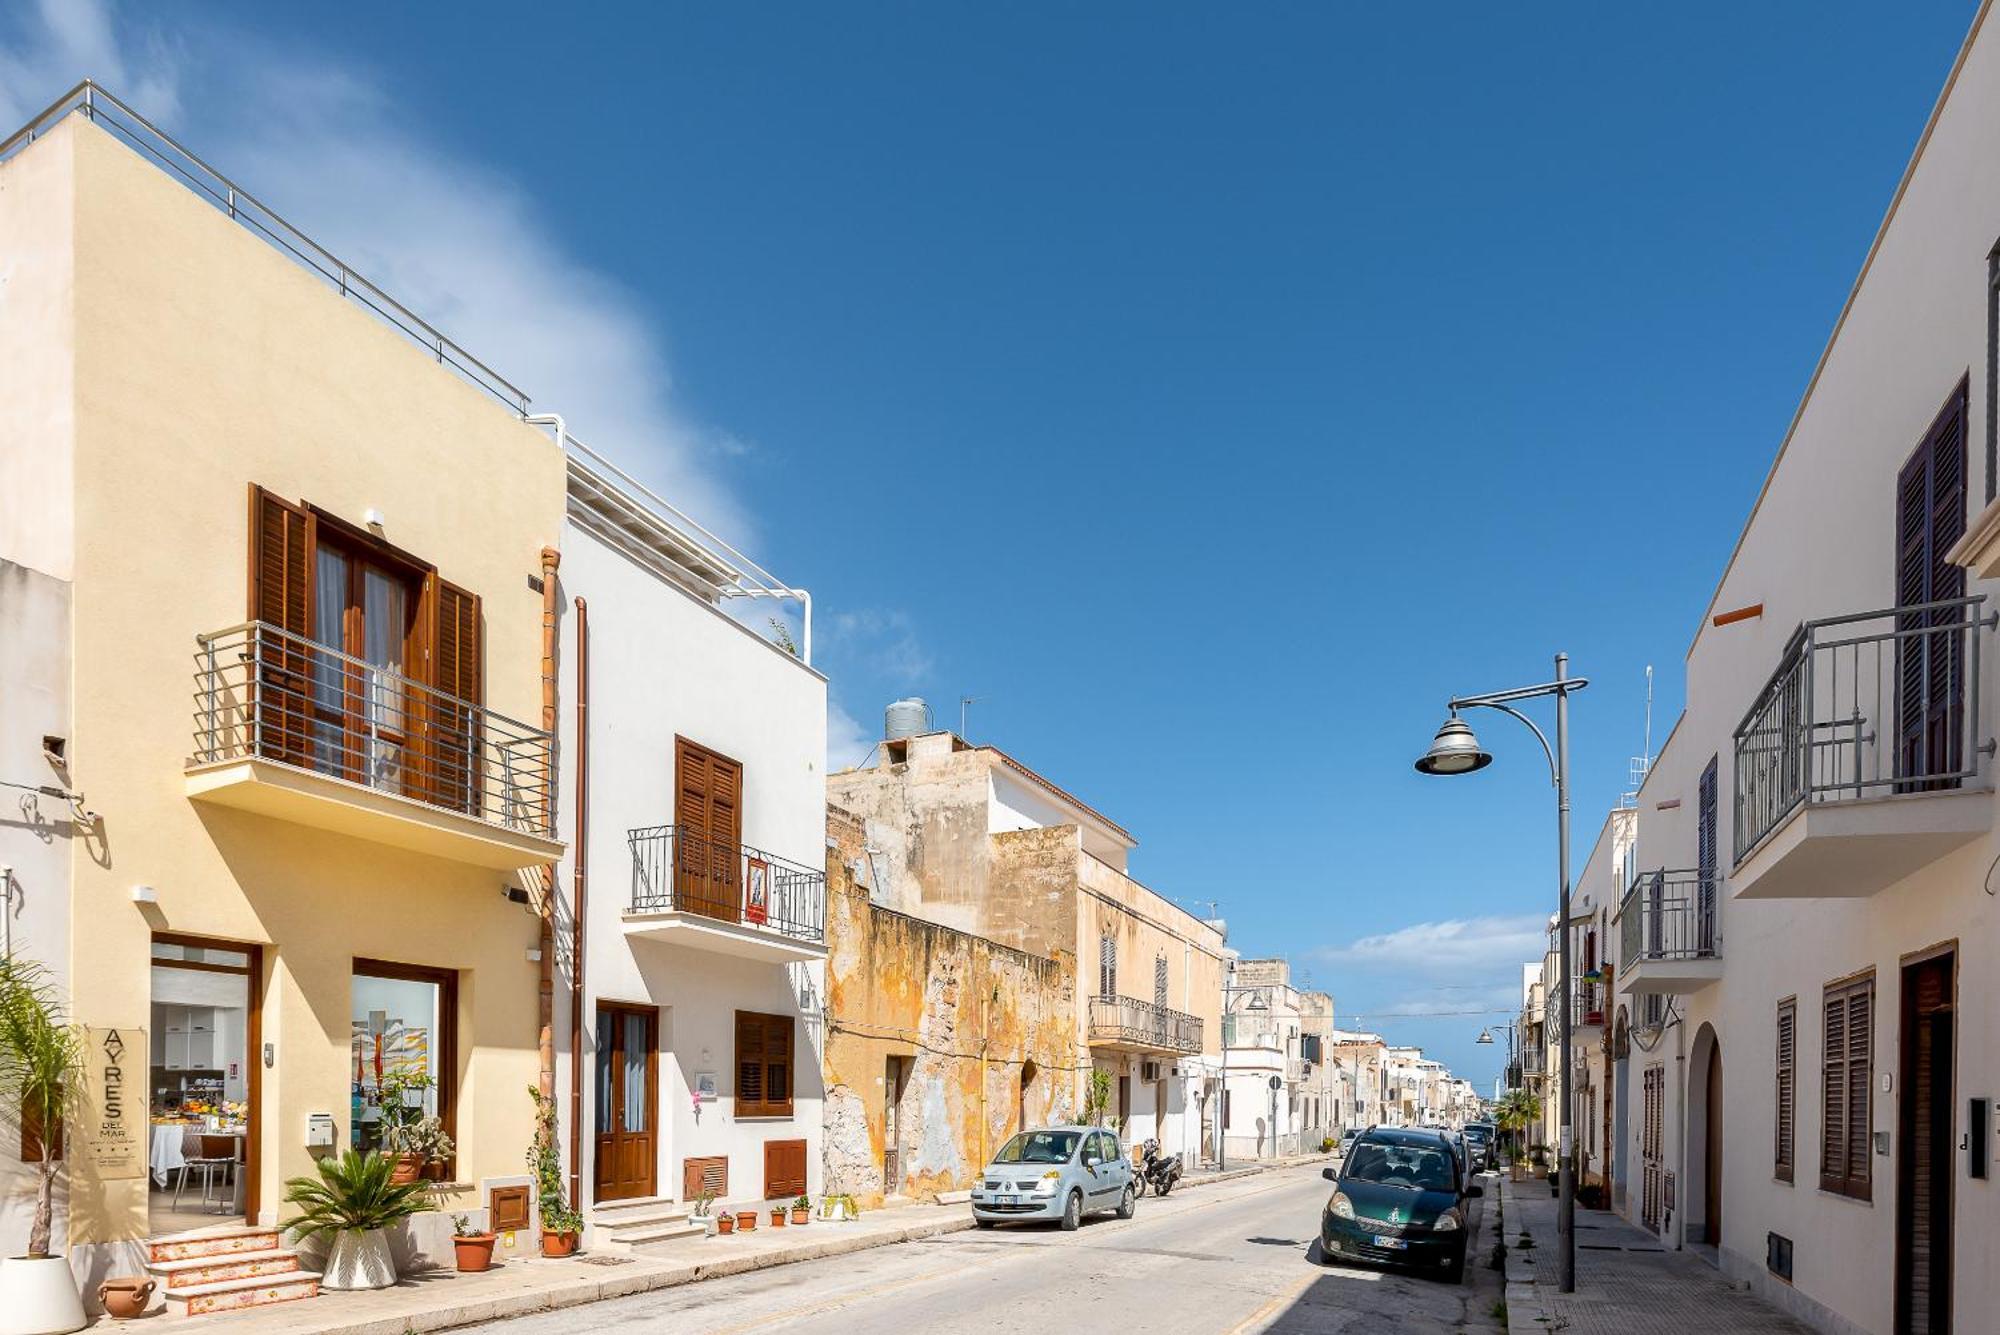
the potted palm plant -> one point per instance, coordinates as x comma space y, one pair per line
349, 1202
41, 1070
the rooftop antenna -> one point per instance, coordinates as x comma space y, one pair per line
1641, 764
966, 702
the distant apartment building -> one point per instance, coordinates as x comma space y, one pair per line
1282, 1091
969, 838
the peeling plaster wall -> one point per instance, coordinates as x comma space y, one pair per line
962, 1012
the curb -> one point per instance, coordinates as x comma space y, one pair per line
575, 1292
1525, 1308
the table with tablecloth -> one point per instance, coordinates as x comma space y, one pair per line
166, 1156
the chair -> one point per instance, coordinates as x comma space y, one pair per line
205, 1154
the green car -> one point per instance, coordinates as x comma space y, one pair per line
1400, 1198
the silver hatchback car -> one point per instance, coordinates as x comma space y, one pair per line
1058, 1172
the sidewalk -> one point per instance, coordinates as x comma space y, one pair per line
1627, 1281
522, 1282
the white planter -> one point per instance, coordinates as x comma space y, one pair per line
38, 1296
359, 1261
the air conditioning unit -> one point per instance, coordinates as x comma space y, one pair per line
1149, 1072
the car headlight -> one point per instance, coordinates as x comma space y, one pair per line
1047, 1186
1446, 1222
1342, 1207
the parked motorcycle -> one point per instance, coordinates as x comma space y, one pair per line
1156, 1171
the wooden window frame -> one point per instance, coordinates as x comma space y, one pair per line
1785, 1081
447, 1038
1848, 1183
766, 1106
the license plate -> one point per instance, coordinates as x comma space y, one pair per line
1393, 1244
1006, 1200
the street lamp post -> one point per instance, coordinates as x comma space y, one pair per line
1485, 1039
1456, 751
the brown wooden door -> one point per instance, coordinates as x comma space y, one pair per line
628, 1102
708, 838
1712, 1159
1926, 1158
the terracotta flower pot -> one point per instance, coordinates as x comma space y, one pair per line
125, 1297
434, 1171
475, 1251
557, 1245
802, 1214
725, 1223
746, 1221
409, 1168
777, 1216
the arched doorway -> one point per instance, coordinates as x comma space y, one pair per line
1028, 1070
1621, 1105
1705, 1123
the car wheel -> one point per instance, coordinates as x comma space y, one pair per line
1319, 1255
983, 1223
1072, 1212
1454, 1269
1127, 1204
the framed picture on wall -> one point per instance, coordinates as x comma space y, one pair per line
704, 1086
757, 891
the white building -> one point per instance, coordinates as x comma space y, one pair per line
1284, 1093
699, 838
1804, 1055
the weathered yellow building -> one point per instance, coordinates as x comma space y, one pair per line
939, 1044
301, 537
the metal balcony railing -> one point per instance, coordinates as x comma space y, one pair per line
678, 870
1533, 1062
1670, 915
265, 693
1586, 1004
1862, 705
1130, 1020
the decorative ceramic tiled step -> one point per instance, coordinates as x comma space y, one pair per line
231, 1295
226, 1269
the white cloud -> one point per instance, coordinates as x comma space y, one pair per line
1454, 947
468, 248
885, 642
847, 742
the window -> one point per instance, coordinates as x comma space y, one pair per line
1107, 966
1849, 1012
1160, 981
1705, 844
1786, 1063
402, 1025
763, 1065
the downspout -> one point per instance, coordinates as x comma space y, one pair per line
545, 1049
1680, 1195
579, 859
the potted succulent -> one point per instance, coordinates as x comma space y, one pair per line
560, 1222
420, 1148
473, 1246
41, 1068
746, 1221
350, 1201
777, 1216
802, 1209
400, 1096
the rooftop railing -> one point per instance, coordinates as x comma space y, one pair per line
1863, 705
1130, 1020
264, 693
109, 113
676, 869
1670, 915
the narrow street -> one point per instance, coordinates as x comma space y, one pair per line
1229, 1258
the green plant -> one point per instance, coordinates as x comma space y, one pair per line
1326, 1144
1098, 1098
781, 635
545, 1159
393, 1096
703, 1203
461, 1227
352, 1194
804, 1202
425, 1138
41, 1070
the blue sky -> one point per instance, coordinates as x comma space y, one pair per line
1211, 392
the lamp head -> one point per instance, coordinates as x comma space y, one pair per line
1485, 1038
1454, 750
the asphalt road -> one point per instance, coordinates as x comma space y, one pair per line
1234, 1257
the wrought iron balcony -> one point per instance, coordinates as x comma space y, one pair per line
1141, 1026
740, 900
1874, 705
1670, 932
288, 727
1586, 1006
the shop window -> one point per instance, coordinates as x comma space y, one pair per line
402, 1040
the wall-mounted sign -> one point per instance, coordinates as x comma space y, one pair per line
704, 1086
112, 1109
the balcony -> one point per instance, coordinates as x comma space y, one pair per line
291, 729
688, 890
1127, 1024
1586, 1022
1858, 763
1669, 933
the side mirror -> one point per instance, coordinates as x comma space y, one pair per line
1090, 1161
1329, 1175
1474, 1190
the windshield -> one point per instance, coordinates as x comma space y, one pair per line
1039, 1147
1418, 1167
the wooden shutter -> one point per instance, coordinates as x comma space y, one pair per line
1107, 966
1786, 1063
1847, 1070
709, 1176
1930, 519
708, 838
763, 1065
784, 1170
282, 541
1705, 857
507, 1209
457, 671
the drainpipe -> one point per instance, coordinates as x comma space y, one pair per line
545, 1048
579, 859
1681, 1193
7, 911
